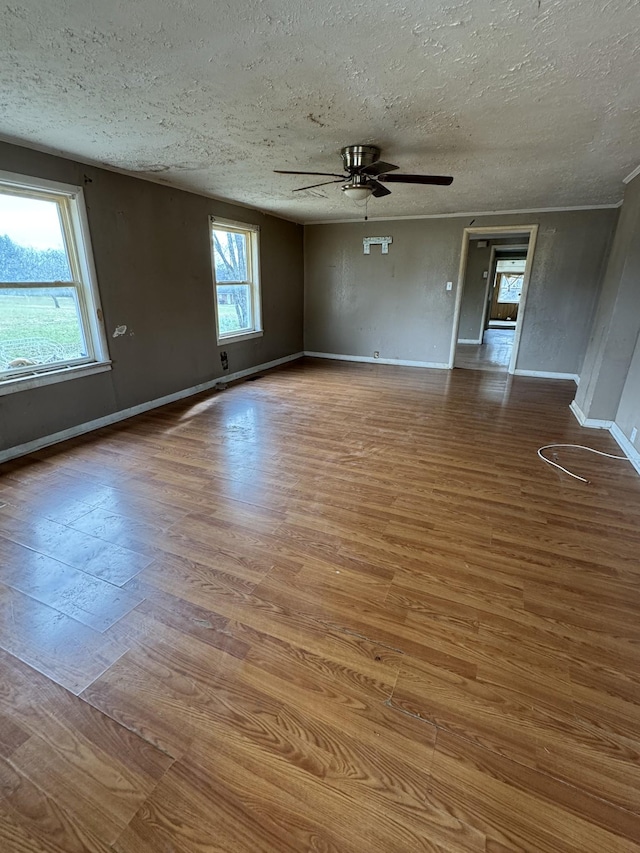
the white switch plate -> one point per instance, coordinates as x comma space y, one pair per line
449, 285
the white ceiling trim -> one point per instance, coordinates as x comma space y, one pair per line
475, 213
631, 175
85, 161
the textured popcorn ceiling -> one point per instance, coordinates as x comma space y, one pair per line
527, 103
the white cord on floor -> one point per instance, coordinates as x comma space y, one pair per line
580, 447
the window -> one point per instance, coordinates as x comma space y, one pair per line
510, 287
234, 249
510, 278
49, 312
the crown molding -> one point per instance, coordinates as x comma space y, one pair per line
631, 175
465, 214
163, 182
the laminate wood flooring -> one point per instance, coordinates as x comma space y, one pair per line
494, 353
341, 609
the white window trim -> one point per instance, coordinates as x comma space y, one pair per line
62, 374
256, 291
81, 253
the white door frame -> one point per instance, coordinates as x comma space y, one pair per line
502, 230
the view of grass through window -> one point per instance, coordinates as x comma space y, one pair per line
233, 295
39, 324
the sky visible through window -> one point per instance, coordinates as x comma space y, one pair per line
30, 222
31, 241
38, 325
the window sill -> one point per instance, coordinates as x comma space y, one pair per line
242, 336
24, 383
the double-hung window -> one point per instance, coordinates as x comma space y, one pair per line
50, 319
236, 274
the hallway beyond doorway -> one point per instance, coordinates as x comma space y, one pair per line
493, 354
479, 287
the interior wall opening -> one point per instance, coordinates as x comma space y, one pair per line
494, 272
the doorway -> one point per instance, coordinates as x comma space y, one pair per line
493, 280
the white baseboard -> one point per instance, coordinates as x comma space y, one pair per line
590, 423
123, 414
544, 374
469, 341
625, 445
577, 412
623, 442
438, 365
268, 365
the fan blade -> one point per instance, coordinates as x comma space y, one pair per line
441, 180
378, 189
378, 168
321, 174
323, 184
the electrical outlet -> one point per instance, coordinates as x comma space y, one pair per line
449, 285
376, 354
634, 434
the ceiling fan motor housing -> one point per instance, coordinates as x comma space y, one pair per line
357, 157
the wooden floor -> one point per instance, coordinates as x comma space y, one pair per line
341, 608
494, 353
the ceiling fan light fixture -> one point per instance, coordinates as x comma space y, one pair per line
367, 175
357, 191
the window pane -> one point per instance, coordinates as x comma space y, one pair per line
510, 287
39, 326
230, 256
516, 266
234, 308
31, 242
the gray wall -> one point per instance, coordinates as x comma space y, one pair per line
397, 303
152, 256
473, 294
628, 414
617, 323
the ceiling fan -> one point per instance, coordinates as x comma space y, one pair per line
367, 174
